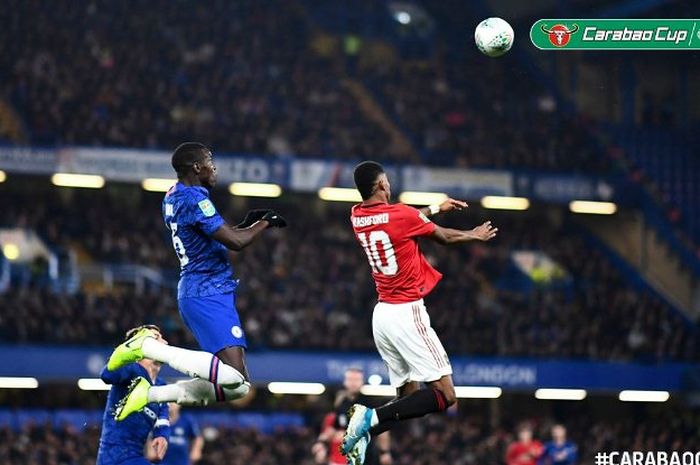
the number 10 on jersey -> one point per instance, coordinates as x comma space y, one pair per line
381, 260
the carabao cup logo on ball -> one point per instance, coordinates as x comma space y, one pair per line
559, 34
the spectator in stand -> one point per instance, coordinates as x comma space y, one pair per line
258, 85
526, 450
253, 85
559, 451
600, 316
444, 440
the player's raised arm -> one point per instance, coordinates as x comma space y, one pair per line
237, 238
447, 206
446, 236
195, 168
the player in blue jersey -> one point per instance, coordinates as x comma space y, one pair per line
121, 443
559, 451
206, 292
186, 442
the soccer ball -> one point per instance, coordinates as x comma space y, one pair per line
494, 37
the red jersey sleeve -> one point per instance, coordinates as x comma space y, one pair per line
511, 454
328, 421
415, 223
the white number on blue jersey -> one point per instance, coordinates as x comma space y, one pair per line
372, 251
179, 246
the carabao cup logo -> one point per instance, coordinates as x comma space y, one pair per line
559, 34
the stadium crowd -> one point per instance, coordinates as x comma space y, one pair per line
308, 286
266, 84
156, 78
436, 440
472, 114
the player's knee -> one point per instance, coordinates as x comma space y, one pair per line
229, 375
233, 366
243, 390
237, 392
450, 395
451, 398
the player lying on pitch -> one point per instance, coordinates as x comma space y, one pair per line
410, 348
122, 443
206, 293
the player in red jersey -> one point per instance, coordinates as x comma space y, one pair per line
410, 348
526, 450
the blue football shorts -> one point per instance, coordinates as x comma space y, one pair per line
214, 321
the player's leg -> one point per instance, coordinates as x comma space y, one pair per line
214, 322
399, 373
235, 357
197, 392
405, 330
438, 396
403, 391
203, 392
193, 392
194, 363
423, 352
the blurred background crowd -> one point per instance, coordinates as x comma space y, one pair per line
309, 79
307, 287
441, 440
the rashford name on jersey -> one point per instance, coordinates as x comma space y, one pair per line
388, 234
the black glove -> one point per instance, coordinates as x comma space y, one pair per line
252, 216
275, 220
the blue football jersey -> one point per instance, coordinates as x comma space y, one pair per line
181, 434
559, 454
124, 440
192, 218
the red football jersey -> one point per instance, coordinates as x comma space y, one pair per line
334, 454
524, 453
388, 234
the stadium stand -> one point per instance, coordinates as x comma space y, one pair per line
669, 158
340, 81
165, 78
311, 307
274, 93
439, 440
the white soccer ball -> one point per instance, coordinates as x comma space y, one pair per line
494, 37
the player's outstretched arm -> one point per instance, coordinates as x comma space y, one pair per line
252, 216
447, 206
237, 238
446, 236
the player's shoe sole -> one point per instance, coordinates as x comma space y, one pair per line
129, 351
360, 418
134, 400
358, 453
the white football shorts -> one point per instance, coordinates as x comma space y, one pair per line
407, 344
